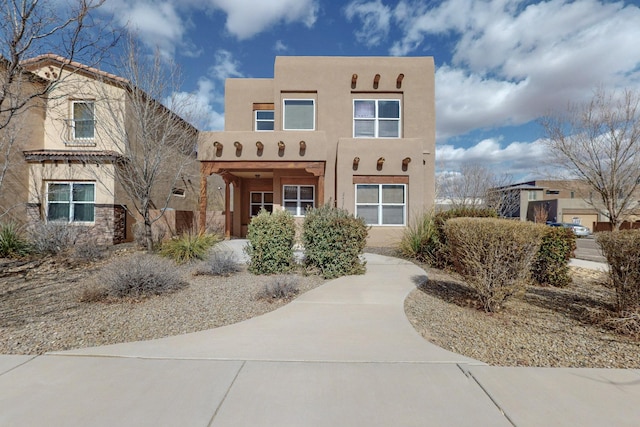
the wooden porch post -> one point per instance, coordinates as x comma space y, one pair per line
227, 210
202, 226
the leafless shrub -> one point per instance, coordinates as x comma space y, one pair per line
140, 275
623, 323
158, 234
87, 252
93, 293
281, 286
219, 263
494, 256
54, 237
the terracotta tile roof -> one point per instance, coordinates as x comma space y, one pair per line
69, 155
32, 63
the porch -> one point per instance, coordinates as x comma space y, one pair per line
254, 185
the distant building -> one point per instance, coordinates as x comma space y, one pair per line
562, 200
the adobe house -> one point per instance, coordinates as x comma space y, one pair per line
358, 132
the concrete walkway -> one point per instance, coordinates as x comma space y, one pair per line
343, 354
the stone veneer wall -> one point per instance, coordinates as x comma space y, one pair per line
101, 234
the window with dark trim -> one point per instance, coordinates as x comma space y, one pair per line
260, 200
297, 198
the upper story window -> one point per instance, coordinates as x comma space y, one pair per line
533, 195
376, 118
83, 120
299, 114
71, 201
263, 116
264, 120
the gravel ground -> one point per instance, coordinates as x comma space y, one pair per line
40, 308
40, 311
546, 327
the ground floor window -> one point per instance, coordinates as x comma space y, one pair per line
71, 201
381, 204
261, 200
297, 198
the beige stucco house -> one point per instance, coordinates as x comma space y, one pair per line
358, 132
72, 155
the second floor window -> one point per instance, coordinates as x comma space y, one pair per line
376, 118
299, 114
83, 120
264, 120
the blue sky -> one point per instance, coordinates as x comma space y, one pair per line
500, 64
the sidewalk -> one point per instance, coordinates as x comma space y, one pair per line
343, 354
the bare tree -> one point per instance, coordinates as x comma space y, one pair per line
598, 142
29, 28
473, 187
156, 143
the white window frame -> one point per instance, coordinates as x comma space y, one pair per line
380, 204
262, 203
378, 119
300, 203
256, 120
284, 113
71, 203
73, 119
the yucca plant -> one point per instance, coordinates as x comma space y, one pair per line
12, 245
189, 246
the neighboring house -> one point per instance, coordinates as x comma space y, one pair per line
71, 160
357, 132
19, 132
563, 200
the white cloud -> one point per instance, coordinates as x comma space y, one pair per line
198, 107
246, 18
157, 23
375, 18
225, 66
513, 62
280, 47
516, 158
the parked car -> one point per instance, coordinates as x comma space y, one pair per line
579, 230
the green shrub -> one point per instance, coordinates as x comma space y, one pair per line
551, 265
441, 257
188, 247
622, 251
271, 237
420, 239
12, 244
140, 275
333, 241
494, 256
